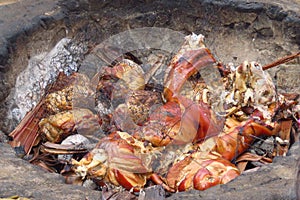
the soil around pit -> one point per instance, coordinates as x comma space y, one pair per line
18, 177
44, 23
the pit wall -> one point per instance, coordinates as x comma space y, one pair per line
235, 31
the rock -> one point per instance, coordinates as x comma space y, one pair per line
3, 137
155, 192
18, 177
286, 80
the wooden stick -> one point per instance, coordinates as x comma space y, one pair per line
281, 61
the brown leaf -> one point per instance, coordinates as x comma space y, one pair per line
242, 165
253, 157
284, 138
53, 148
26, 134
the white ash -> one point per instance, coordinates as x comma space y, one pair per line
42, 70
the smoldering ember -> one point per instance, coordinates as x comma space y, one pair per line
154, 100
